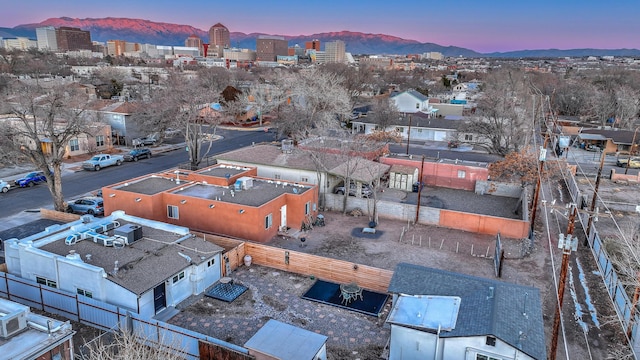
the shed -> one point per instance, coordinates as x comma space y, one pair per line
402, 177
279, 341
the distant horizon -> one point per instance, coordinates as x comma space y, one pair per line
485, 27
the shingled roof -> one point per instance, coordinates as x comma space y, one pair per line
509, 312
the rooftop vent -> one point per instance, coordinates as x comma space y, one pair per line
287, 146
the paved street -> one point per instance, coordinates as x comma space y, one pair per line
77, 182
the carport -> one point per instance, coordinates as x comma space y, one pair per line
361, 171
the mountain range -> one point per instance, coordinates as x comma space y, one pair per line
159, 33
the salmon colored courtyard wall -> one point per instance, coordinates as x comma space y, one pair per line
484, 224
444, 175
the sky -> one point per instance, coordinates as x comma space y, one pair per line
481, 25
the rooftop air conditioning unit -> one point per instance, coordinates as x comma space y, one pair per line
131, 232
13, 318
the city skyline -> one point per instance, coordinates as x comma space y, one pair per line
488, 26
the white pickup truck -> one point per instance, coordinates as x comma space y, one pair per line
100, 161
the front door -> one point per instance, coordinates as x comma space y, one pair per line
283, 217
159, 297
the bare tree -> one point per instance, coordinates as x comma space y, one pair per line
46, 119
501, 123
356, 80
184, 104
627, 107
318, 102
265, 97
384, 113
127, 345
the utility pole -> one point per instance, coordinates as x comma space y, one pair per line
409, 135
568, 244
419, 191
595, 196
536, 194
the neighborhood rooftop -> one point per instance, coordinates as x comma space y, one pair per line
149, 185
146, 262
261, 192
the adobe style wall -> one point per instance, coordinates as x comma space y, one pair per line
218, 217
444, 175
476, 223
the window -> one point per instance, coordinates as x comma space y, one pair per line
277, 176
74, 145
468, 137
491, 341
172, 212
268, 221
462, 174
178, 277
419, 130
45, 281
485, 357
307, 208
400, 129
304, 179
211, 262
100, 140
85, 293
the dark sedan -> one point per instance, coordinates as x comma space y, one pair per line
136, 154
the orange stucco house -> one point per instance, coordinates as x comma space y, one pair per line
223, 199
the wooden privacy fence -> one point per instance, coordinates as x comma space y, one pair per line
333, 270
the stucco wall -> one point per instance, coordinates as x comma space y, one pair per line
482, 224
499, 189
454, 176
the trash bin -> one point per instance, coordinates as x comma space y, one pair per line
416, 187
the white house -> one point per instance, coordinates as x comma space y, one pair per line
418, 126
411, 102
138, 264
440, 315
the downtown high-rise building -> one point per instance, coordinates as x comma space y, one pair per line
268, 48
219, 39
46, 37
194, 41
70, 38
335, 52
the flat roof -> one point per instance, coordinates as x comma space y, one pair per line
261, 192
426, 312
31, 342
148, 186
301, 344
223, 170
145, 263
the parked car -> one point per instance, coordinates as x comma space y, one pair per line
146, 141
634, 162
353, 190
87, 205
4, 186
32, 178
136, 154
100, 161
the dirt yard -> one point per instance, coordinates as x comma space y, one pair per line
525, 263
